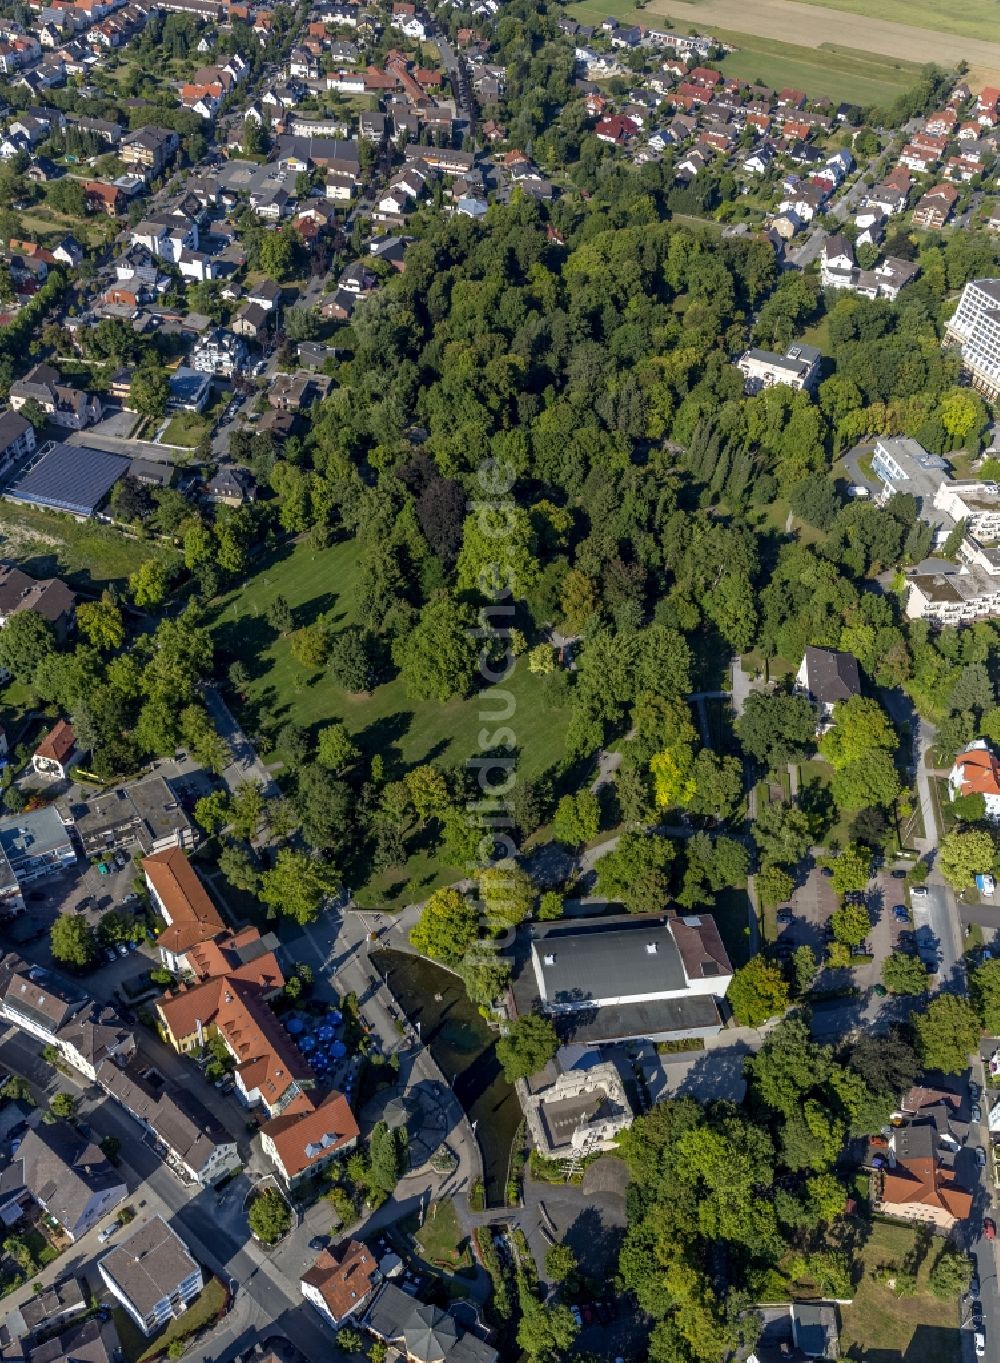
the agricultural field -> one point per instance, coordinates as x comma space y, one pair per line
822, 72
901, 32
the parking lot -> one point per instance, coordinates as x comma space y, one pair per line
805, 921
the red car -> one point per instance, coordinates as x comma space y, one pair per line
990, 1228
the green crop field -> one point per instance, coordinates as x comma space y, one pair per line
386, 721
822, 72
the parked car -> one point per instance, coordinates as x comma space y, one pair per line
827, 871
973, 1092
901, 913
785, 915
918, 892
577, 1316
110, 955
989, 1228
107, 1233
980, 1344
974, 1285
588, 1314
976, 1112
980, 1157
318, 1242
898, 875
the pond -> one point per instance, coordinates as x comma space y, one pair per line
464, 1048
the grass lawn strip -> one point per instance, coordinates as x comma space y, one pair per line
137, 1348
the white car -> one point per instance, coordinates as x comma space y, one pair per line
107, 1233
918, 892
980, 1339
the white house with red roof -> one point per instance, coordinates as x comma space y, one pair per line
977, 772
57, 752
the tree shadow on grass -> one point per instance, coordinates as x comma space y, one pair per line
310, 611
383, 736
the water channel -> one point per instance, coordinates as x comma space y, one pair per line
464, 1048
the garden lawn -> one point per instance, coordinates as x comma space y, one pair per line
386, 721
202, 1311
88, 556
186, 428
732, 916
440, 1240
880, 1325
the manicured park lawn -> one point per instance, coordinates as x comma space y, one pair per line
386, 721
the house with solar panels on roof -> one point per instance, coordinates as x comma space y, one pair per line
626, 977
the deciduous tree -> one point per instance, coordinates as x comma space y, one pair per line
527, 1046
447, 927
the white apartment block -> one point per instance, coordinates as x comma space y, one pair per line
798, 368
953, 598
975, 327
977, 504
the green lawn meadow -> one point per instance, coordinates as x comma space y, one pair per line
386, 721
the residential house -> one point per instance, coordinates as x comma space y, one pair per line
68, 1177
295, 392
918, 1184
977, 772
150, 150
50, 597
193, 1141
935, 207
828, 677
103, 198
230, 485
798, 368
17, 439
341, 1281
616, 130
64, 405
57, 752
152, 1274
252, 322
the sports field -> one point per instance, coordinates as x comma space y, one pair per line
895, 29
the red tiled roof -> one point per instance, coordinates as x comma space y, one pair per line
58, 743
193, 916
304, 1140
344, 1276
